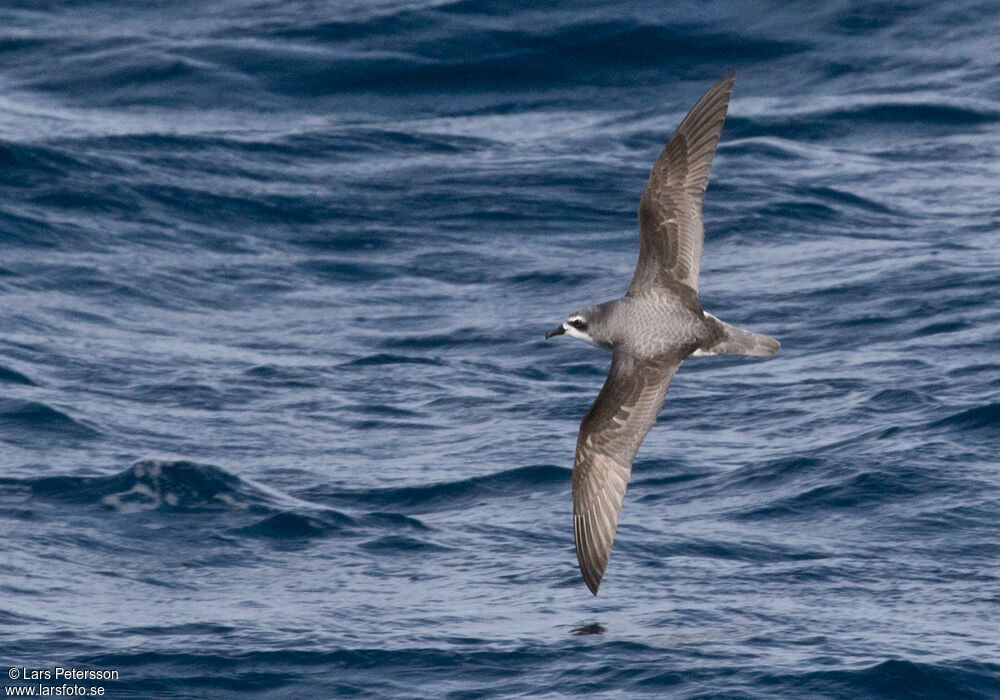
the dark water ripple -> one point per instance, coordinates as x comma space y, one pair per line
277, 416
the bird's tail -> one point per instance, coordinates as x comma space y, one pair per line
736, 341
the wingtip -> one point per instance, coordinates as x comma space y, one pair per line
591, 571
726, 83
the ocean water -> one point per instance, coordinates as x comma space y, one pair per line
277, 418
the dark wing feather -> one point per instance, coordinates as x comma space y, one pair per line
670, 225
610, 436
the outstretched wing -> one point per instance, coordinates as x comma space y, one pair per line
670, 225
609, 437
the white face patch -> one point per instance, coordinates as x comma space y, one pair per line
582, 335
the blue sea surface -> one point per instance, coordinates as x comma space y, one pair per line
277, 417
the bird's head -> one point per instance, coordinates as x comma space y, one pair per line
585, 325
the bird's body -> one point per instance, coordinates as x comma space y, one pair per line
650, 331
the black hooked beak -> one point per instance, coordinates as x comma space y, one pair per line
556, 331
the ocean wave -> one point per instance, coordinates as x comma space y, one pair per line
400, 544
12, 376
135, 73
297, 526
916, 113
978, 418
152, 485
255, 511
899, 400
276, 375
28, 166
467, 335
519, 669
763, 552
451, 494
33, 422
383, 358
331, 271
481, 58
832, 123
426, 49
771, 473
839, 489
896, 678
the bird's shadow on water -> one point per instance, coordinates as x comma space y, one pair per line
589, 628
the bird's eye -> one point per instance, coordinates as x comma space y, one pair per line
578, 323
